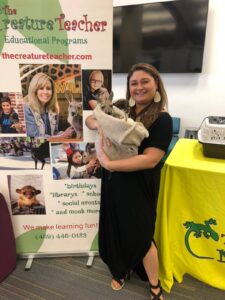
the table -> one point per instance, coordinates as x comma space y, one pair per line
190, 225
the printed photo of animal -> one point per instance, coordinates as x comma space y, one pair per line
75, 113
40, 153
26, 194
23, 153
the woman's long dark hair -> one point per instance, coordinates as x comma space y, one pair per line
151, 112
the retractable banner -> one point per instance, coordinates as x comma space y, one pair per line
56, 63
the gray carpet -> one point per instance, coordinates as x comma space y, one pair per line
69, 278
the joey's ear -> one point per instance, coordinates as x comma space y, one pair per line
37, 192
18, 191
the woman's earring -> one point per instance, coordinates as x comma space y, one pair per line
157, 97
131, 102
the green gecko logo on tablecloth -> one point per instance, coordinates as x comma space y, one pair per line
200, 230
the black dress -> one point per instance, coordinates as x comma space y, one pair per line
128, 208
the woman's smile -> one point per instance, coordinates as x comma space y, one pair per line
142, 87
44, 94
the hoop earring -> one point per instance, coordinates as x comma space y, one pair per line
131, 102
157, 97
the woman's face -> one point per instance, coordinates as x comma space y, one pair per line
44, 93
6, 107
96, 81
142, 87
77, 158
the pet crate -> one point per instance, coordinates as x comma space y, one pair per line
212, 136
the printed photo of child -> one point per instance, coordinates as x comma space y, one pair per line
75, 161
10, 122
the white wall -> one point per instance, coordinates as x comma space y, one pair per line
194, 96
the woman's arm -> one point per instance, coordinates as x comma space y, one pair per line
148, 160
31, 126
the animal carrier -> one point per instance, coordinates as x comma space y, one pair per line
212, 136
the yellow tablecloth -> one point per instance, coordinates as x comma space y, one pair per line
190, 227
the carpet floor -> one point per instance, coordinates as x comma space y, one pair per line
69, 278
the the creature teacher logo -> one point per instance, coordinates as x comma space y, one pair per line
203, 231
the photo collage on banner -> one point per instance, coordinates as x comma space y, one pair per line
50, 174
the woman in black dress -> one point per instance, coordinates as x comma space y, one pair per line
130, 186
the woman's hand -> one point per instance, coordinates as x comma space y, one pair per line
102, 157
104, 160
91, 123
67, 133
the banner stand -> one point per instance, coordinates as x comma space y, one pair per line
53, 197
30, 257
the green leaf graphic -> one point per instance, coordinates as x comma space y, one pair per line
30, 241
3, 16
94, 246
47, 11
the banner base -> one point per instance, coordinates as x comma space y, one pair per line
29, 263
90, 260
30, 257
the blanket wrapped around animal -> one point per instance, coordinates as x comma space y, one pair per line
123, 134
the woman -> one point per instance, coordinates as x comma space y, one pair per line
130, 186
42, 108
